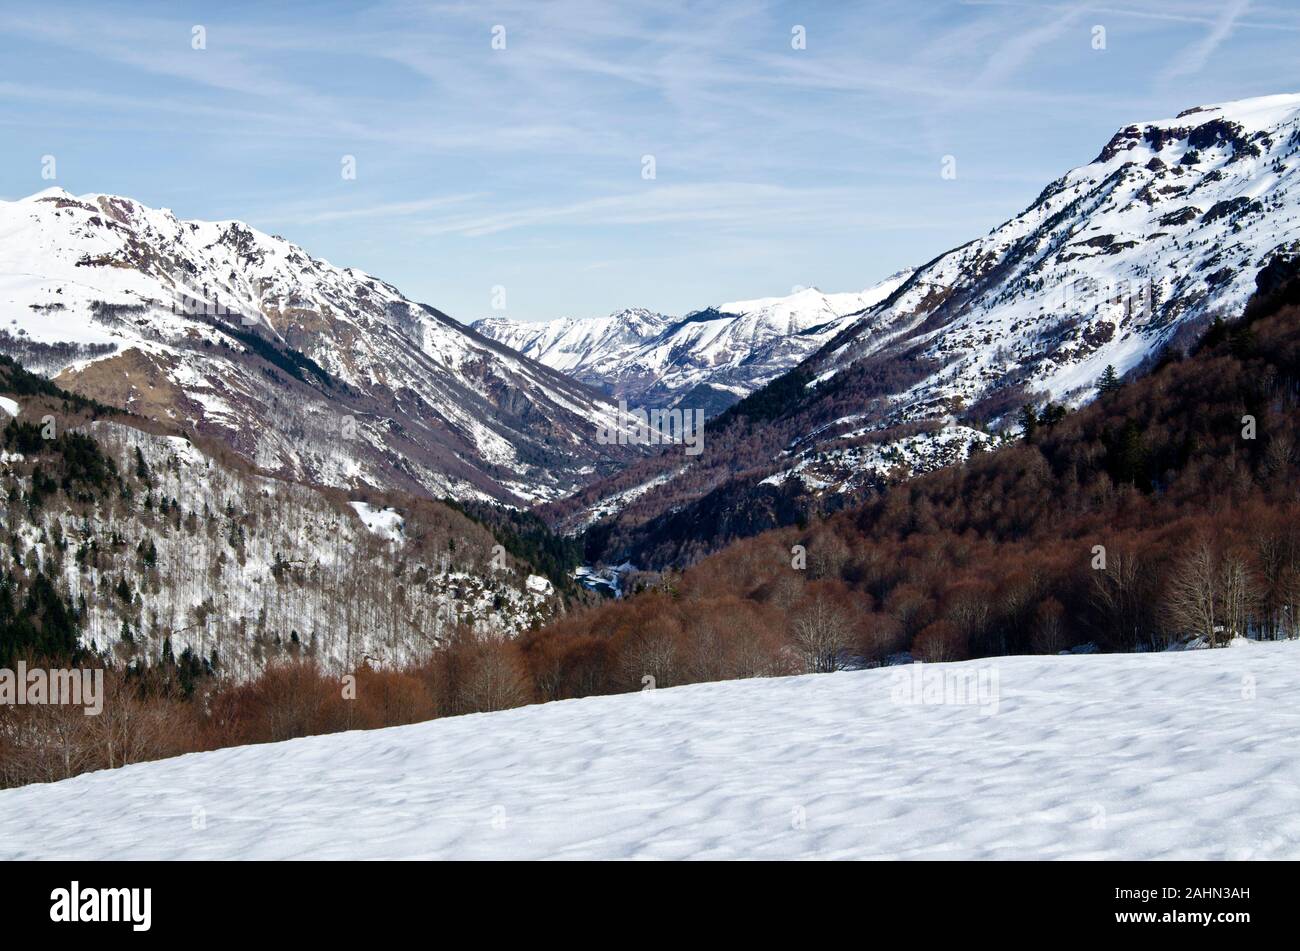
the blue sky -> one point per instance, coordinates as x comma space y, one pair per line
522, 167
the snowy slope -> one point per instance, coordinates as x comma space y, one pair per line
1170, 223
243, 564
308, 370
1164, 230
594, 350
710, 358
1191, 755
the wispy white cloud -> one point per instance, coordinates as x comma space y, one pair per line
830, 153
1194, 58
313, 213
719, 204
1019, 49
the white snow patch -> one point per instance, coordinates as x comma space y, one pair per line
386, 523
185, 452
1162, 746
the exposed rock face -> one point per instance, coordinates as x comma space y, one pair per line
309, 371
1167, 228
709, 359
1168, 224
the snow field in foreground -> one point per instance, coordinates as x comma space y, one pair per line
1190, 755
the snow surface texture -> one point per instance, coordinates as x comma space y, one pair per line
1192, 755
385, 523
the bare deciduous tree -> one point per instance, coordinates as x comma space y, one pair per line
1192, 596
821, 630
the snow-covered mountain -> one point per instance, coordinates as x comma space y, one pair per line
155, 542
1102, 756
708, 359
1165, 229
308, 370
1171, 222
592, 349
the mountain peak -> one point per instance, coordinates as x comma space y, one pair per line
1113, 262
710, 357
1235, 125
46, 194
307, 370
1169, 223
1255, 113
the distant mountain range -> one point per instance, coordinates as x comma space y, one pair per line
709, 359
1114, 262
327, 375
